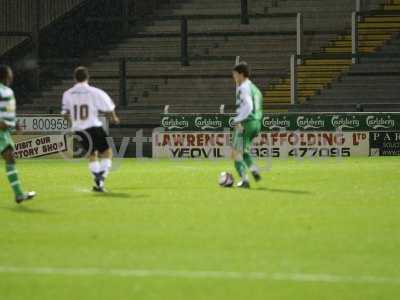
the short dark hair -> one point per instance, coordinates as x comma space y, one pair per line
81, 74
4, 72
242, 68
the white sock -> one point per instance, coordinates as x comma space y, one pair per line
105, 166
94, 167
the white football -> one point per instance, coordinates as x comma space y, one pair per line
226, 179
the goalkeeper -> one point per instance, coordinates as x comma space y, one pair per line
247, 123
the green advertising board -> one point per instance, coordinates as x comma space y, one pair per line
288, 121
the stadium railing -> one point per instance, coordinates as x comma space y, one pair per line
184, 35
245, 17
122, 76
185, 30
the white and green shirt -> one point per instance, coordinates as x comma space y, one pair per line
249, 102
7, 106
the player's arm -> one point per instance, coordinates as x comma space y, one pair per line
245, 108
7, 124
65, 109
107, 106
3, 125
113, 117
66, 114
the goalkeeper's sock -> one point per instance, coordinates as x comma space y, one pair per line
241, 169
105, 166
12, 175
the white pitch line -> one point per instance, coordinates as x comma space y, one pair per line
291, 277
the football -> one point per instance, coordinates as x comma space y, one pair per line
226, 179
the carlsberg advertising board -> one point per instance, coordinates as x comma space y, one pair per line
282, 135
290, 122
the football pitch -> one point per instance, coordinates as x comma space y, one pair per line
326, 229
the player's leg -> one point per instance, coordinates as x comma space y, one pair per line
94, 167
104, 153
86, 140
252, 129
12, 175
11, 171
237, 156
105, 162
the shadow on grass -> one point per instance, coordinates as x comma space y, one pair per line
25, 209
119, 195
283, 191
165, 188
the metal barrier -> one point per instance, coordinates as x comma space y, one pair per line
354, 37
293, 79
122, 74
244, 12
184, 42
185, 31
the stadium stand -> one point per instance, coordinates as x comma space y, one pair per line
150, 56
337, 84
156, 77
373, 83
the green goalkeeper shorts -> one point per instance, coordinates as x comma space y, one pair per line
243, 139
6, 140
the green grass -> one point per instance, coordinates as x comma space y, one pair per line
335, 218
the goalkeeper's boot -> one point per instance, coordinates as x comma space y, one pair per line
244, 184
25, 197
